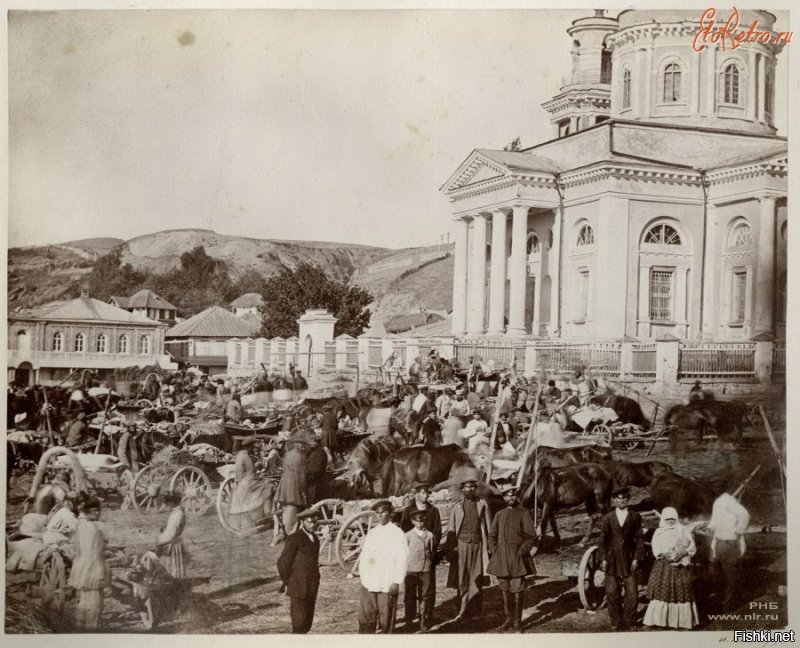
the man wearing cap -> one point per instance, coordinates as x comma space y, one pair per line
433, 523
621, 550
420, 572
382, 566
292, 489
512, 545
468, 531
298, 567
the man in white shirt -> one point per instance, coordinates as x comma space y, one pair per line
460, 407
443, 403
382, 567
477, 431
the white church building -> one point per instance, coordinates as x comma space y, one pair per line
659, 206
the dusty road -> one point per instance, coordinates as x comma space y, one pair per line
237, 584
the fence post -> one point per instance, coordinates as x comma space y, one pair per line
667, 360
763, 360
341, 351
529, 365
625, 359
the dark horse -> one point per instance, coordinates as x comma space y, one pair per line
689, 498
627, 409
726, 418
559, 488
364, 464
640, 473
420, 464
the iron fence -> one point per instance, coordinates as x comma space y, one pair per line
718, 360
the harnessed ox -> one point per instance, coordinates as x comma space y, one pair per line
419, 464
559, 488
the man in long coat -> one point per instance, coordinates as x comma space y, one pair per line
512, 545
298, 567
330, 431
316, 467
468, 533
293, 487
621, 550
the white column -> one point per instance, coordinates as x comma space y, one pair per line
573, 125
762, 87
477, 277
554, 268
537, 293
753, 77
459, 324
711, 279
765, 275
517, 271
497, 293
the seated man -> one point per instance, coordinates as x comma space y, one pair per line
476, 432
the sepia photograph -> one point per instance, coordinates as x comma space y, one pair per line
411, 320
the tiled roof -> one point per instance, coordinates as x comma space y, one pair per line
248, 300
214, 322
148, 299
122, 302
88, 308
516, 161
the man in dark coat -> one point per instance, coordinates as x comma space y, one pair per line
316, 467
330, 431
433, 523
512, 545
621, 550
298, 567
292, 490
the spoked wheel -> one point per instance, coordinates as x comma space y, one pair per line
603, 434
145, 404
631, 444
590, 580
53, 584
331, 512
194, 488
351, 538
147, 489
240, 524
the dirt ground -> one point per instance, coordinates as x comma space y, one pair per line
235, 583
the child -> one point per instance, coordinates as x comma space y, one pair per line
420, 575
90, 573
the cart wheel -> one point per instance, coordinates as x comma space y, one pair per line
146, 490
591, 592
331, 513
631, 445
351, 537
195, 489
53, 583
148, 614
603, 434
145, 404
242, 524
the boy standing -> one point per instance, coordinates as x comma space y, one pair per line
419, 576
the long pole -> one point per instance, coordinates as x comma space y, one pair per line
47, 418
493, 438
529, 438
774, 444
103, 424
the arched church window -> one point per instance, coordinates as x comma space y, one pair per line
741, 236
585, 236
626, 89
662, 234
672, 83
730, 84
533, 246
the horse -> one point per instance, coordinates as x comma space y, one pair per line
627, 409
689, 498
420, 464
640, 474
558, 488
683, 417
728, 418
547, 457
363, 465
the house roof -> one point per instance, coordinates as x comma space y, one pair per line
122, 302
214, 322
148, 299
88, 308
248, 300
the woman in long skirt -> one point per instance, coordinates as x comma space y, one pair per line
90, 574
669, 589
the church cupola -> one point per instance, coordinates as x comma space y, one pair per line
585, 97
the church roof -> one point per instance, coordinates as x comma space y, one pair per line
248, 300
518, 161
90, 309
214, 322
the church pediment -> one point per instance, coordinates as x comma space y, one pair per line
475, 169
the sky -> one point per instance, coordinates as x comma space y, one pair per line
307, 125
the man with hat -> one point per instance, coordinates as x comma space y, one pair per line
512, 545
460, 407
292, 489
621, 550
298, 567
382, 566
420, 572
467, 532
432, 521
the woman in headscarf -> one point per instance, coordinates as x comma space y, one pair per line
669, 589
90, 574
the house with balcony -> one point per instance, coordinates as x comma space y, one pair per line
147, 304
47, 344
202, 340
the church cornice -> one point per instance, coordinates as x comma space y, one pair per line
536, 181
775, 167
639, 174
578, 99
